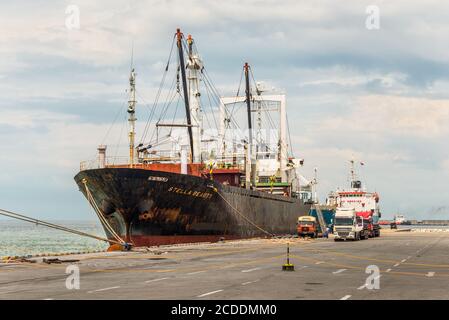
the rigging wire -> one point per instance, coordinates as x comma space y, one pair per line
210, 106
290, 138
174, 115
168, 102
235, 102
150, 116
120, 110
119, 139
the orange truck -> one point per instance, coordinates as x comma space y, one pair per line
307, 226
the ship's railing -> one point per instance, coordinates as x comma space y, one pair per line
235, 160
159, 156
97, 163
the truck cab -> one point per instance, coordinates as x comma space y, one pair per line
307, 226
368, 229
348, 225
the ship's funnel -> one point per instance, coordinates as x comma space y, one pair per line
101, 156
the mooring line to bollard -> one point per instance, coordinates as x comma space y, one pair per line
242, 215
100, 215
25, 218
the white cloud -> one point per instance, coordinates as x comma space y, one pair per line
386, 115
350, 91
349, 77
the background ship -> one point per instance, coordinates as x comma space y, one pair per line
210, 186
365, 204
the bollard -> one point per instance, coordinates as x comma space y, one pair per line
288, 266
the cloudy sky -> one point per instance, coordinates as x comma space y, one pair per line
379, 95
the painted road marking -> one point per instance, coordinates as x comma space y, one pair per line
430, 274
209, 293
339, 271
250, 270
346, 297
196, 272
154, 280
403, 260
168, 270
388, 270
245, 283
361, 287
104, 289
48, 299
319, 262
396, 265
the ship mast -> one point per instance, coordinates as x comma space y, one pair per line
355, 183
132, 116
251, 158
352, 171
184, 89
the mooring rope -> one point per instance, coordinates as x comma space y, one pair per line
22, 217
100, 215
242, 215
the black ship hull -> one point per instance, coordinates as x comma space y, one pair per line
148, 207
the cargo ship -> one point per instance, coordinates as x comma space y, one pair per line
194, 192
365, 203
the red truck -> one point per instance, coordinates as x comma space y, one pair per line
372, 222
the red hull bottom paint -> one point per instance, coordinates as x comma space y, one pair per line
148, 241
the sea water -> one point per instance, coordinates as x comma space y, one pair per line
23, 239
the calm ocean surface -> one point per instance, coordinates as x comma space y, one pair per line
21, 238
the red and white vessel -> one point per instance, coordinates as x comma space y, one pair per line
366, 204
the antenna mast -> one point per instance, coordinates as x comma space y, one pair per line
314, 185
132, 116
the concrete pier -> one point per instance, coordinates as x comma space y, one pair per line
412, 265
